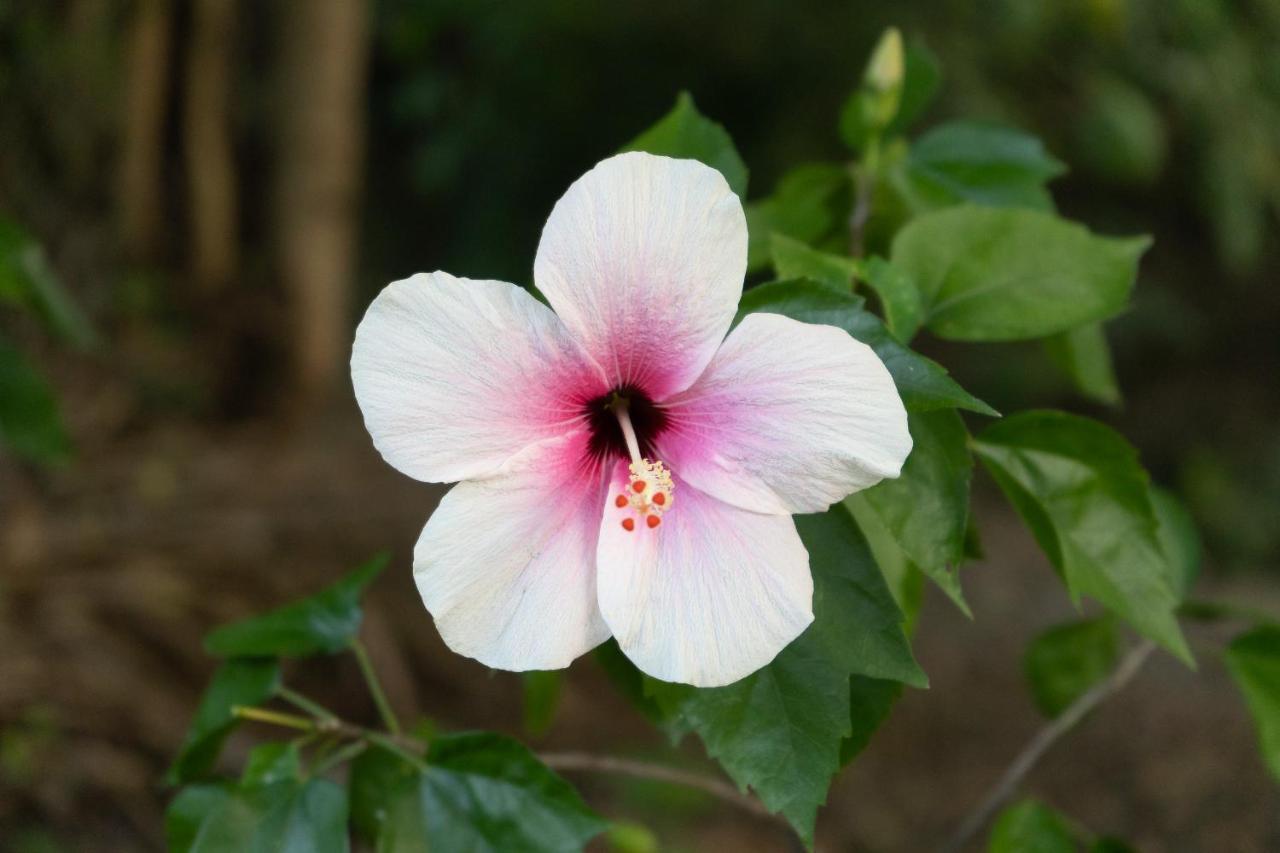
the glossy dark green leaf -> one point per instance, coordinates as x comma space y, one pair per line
899, 297
1179, 539
243, 681
811, 204
988, 274
979, 163
541, 699
926, 508
1084, 357
686, 133
30, 427
779, 731
484, 791
1078, 486
794, 259
1065, 661
1030, 827
26, 279
281, 817
1254, 662
323, 623
923, 384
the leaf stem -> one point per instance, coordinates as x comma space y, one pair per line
312, 707
276, 718
326, 763
1035, 749
375, 688
864, 185
659, 773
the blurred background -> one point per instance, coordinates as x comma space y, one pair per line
221, 186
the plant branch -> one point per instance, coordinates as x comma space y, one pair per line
410, 749
375, 688
1036, 748
863, 188
659, 773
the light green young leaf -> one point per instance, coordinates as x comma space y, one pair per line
29, 423
1254, 662
484, 791
686, 133
1084, 357
1065, 661
281, 817
1078, 485
243, 681
324, 623
899, 297
926, 509
923, 384
1030, 827
810, 204
793, 259
780, 731
922, 77
269, 763
27, 279
989, 274
905, 580
979, 163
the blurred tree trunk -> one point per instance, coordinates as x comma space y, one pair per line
209, 145
318, 177
140, 180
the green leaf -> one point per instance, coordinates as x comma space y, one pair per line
1111, 845
1030, 827
926, 509
686, 133
29, 423
870, 701
282, 817
269, 763
989, 274
1084, 356
541, 698
1179, 539
324, 623
923, 384
979, 163
377, 775
243, 681
811, 204
1078, 485
780, 730
1254, 662
899, 297
627, 680
1065, 661
26, 279
793, 259
905, 580
484, 791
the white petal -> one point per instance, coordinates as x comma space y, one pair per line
789, 417
643, 259
709, 596
506, 564
455, 377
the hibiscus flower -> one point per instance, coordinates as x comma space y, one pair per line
624, 469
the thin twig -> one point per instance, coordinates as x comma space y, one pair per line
656, 772
1035, 749
375, 688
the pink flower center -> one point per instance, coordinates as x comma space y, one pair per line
650, 492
